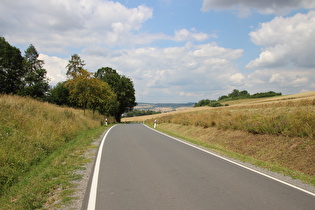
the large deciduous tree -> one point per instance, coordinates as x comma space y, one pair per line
88, 91
122, 86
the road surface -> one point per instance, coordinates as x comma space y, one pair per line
143, 169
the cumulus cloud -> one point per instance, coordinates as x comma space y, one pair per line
264, 7
286, 61
286, 41
184, 35
61, 26
292, 80
55, 67
70, 23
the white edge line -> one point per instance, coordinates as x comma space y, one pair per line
253, 170
93, 189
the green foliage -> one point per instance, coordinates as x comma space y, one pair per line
36, 83
60, 95
22, 75
207, 102
137, 112
12, 71
235, 95
123, 88
266, 94
90, 92
203, 102
75, 64
215, 104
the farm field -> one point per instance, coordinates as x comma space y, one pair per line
243, 102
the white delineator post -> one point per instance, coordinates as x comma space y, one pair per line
155, 122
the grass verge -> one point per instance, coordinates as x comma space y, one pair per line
49, 183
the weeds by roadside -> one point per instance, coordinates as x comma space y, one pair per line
50, 182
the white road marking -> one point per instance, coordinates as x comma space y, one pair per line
93, 190
253, 170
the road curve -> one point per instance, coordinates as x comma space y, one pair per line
142, 169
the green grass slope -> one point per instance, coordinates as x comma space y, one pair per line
30, 131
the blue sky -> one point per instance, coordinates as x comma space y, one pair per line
174, 50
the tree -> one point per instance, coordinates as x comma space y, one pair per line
102, 98
60, 95
123, 88
75, 65
203, 102
36, 83
223, 97
79, 88
234, 94
90, 92
12, 72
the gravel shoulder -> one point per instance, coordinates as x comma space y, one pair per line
81, 184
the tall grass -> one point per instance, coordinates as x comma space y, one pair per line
31, 130
288, 118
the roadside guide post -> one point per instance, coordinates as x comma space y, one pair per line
106, 121
155, 122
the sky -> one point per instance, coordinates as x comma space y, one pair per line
175, 51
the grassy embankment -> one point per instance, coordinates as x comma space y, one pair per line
40, 147
275, 133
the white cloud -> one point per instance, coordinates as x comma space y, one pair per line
237, 79
184, 35
277, 78
286, 41
265, 7
165, 74
55, 67
61, 26
70, 23
290, 80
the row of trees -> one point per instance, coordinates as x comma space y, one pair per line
235, 95
137, 112
106, 91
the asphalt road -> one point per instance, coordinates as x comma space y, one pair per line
142, 169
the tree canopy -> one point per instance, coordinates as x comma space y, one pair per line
123, 88
36, 83
12, 71
75, 65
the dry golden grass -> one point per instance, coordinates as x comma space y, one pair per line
281, 101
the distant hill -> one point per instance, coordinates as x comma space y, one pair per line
164, 107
